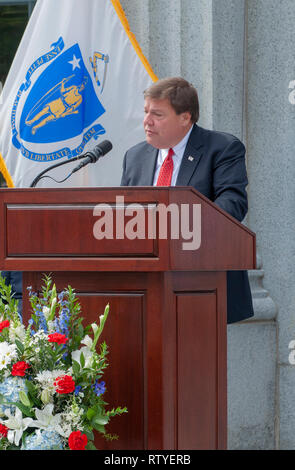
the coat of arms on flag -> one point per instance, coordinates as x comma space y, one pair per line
63, 92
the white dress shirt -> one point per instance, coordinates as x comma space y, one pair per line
177, 157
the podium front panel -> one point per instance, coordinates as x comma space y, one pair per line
166, 334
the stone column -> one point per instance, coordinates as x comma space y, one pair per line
252, 344
271, 167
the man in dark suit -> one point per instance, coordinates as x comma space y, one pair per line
179, 152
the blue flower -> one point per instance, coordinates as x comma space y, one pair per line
41, 319
31, 293
44, 440
99, 388
10, 388
61, 295
78, 389
61, 324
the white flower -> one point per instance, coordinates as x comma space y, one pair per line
40, 335
46, 379
51, 326
8, 353
94, 327
16, 424
45, 419
76, 356
71, 419
87, 341
17, 332
46, 312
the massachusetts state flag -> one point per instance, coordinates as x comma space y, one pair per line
77, 79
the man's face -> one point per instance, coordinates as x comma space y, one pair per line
163, 127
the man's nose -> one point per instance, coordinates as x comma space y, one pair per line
148, 120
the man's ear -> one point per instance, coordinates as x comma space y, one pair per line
185, 118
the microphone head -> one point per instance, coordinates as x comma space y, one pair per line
106, 146
101, 149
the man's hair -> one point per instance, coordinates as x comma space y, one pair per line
181, 94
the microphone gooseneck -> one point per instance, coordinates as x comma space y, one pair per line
93, 155
89, 157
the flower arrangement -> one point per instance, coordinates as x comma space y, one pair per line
51, 387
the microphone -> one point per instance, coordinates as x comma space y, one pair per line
93, 155
90, 157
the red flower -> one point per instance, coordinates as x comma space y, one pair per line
64, 384
19, 368
77, 441
3, 431
4, 324
57, 338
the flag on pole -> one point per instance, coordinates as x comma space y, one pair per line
77, 79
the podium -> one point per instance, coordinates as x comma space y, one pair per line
166, 330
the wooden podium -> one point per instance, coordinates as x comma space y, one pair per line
167, 325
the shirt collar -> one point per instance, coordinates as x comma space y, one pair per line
178, 148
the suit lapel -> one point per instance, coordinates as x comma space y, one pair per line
191, 157
147, 178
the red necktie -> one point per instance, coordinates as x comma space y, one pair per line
166, 170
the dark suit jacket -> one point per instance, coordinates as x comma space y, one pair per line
218, 171
15, 279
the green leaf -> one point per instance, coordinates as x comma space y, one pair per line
100, 419
31, 388
3, 400
76, 367
33, 393
99, 428
12, 447
90, 446
117, 411
80, 331
89, 434
82, 360
84, 384
90, 413
24, 409
24, 398
20, 346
